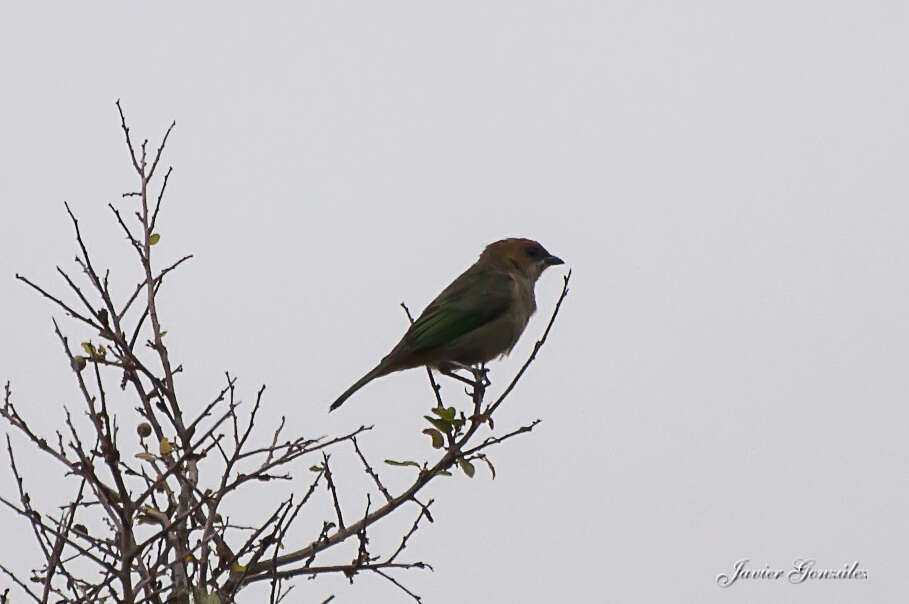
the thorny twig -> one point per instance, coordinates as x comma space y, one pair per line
148, 521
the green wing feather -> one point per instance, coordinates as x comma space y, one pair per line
475, 298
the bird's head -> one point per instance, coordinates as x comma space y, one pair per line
525, 256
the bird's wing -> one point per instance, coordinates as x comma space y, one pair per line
473, 299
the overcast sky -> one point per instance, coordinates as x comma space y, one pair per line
727, 181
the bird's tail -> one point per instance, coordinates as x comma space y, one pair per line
377, 372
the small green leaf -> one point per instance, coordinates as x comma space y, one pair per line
151, 515
443, 473
467, 467
145, 456
78, 363
392, 462
448, 414
315, 468
154, 238
437, 440
441, 424
96, 354
165, 447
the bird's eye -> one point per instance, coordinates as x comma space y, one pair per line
532, 251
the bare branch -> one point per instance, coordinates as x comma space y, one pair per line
536, 347
22, 585
193, 547
436, 388
333, 490
371, 471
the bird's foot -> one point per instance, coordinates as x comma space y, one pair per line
481, 375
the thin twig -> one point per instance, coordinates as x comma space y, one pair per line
436, 388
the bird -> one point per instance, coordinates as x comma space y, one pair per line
477, 318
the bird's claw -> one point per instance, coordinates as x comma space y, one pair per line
481, 375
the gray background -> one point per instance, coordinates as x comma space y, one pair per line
727, 180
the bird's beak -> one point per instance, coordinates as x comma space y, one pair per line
553, 260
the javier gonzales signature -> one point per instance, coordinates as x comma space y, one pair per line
803, 570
